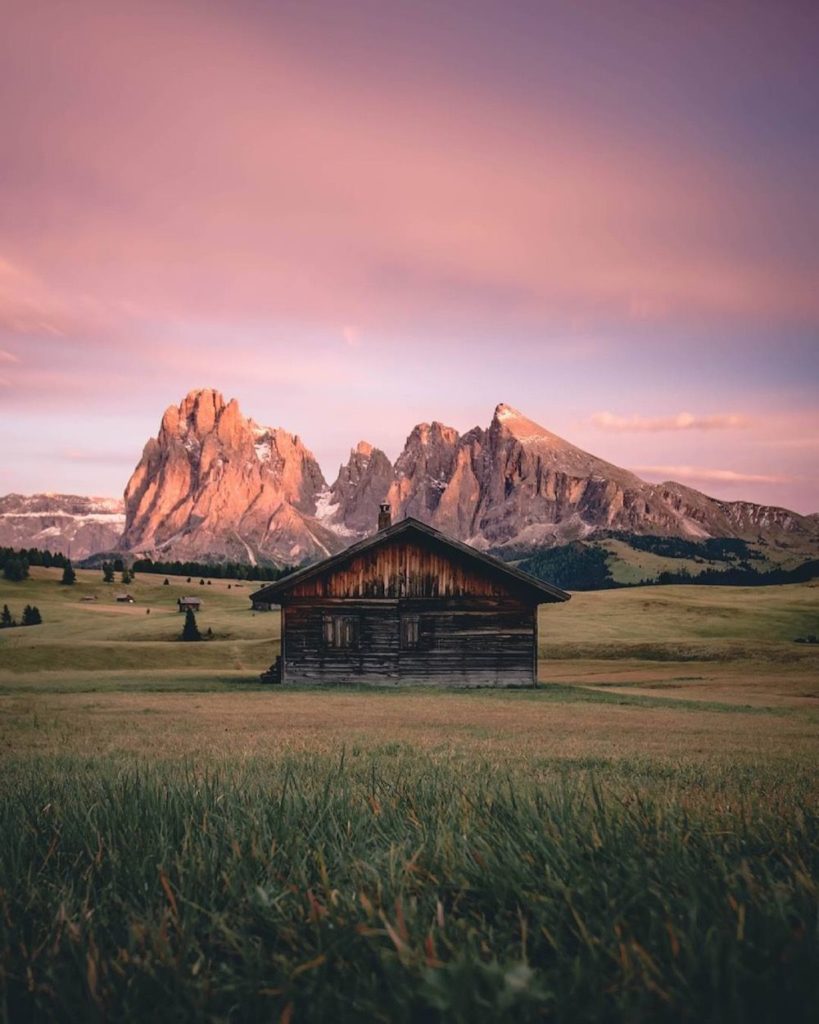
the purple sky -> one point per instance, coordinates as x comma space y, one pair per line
354, 217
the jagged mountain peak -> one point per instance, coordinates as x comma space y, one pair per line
213, 482
511, 421
432, 433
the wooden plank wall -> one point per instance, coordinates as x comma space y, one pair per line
403, 569
466, 643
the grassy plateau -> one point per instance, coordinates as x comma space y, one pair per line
635, 840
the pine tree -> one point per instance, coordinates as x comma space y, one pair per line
5, 618
107, 572
31, 616
126, 576
167, 582
69, 576
190, 631
16, 569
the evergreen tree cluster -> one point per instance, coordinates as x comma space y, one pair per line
710, 549
744, 575
16, 569
574, 566
15, 562
69, 576
31, 556
31, 617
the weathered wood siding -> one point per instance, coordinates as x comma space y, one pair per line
403, 569
467, 642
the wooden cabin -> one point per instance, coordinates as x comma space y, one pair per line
184, 603
409, 605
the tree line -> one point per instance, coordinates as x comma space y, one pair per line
32, 556
15, 564
219, 571
585, 566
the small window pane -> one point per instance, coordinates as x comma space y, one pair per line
341, 631
410, 631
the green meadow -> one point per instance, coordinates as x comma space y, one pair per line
635, 840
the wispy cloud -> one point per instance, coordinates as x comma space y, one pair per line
655, 424
8, 357
707, 475
101, 458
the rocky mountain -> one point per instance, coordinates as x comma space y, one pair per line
213, 484
63, 523
350, 507
516, 486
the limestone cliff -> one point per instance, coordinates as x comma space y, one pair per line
215, 484
517, 486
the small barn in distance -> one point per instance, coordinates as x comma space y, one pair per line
184, 603
409, 605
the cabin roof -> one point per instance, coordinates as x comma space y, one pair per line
540, 591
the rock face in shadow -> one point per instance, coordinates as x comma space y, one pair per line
350, 506
213, 484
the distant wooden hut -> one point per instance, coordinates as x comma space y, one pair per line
125, 599
409, 605
184, 603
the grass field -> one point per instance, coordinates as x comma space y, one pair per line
637, 840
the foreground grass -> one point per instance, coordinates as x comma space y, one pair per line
636, 840
388, 886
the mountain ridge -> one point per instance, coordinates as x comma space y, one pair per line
214, 484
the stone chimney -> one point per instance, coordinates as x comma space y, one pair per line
384, 515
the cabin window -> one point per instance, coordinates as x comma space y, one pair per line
410, 631
341, 631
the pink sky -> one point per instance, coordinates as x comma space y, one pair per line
356, 217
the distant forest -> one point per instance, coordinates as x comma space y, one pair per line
579, 565
585, 566
226, 570
32, 556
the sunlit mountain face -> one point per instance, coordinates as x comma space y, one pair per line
216, 486
359, 217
